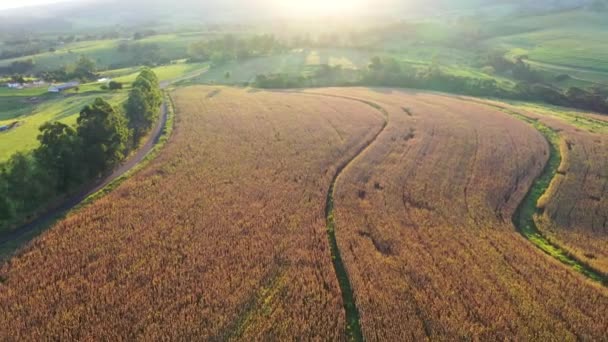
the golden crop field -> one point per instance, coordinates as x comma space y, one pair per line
221, 237
268, 211
423, 225
575, 207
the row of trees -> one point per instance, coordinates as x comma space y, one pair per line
84, 69
68, 157
231, 48
143, 105
388, 72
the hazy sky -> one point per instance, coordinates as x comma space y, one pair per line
5, 4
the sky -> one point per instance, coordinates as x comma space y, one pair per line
6, 4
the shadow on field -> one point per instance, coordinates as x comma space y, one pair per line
213, 93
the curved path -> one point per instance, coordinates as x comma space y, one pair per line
523, 218
30, 229
353, 326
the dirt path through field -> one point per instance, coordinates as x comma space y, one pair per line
10, 240
523, 218
353, 326
38, 224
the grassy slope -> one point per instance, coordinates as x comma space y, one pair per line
61, 108
105, 52
572, 42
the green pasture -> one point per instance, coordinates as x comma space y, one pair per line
295, 62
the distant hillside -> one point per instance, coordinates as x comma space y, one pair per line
110, 13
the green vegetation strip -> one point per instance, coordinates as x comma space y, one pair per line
8, 248
353, 325
525, 213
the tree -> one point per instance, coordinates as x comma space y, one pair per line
143, 105
84, 68
139, 112
113, 85
26, 185
59, 154
104, 135
376, 64
148, 81
22, 67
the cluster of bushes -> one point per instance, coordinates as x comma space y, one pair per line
84, 69
388, 72
594, 99
279, 81
18, 67
518, 69
112, 85
149, 54
321, 76
231, 48
68, 157
19, 52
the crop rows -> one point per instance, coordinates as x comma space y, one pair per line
221, 237
423, 226
574, 211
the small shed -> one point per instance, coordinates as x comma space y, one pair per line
57, 88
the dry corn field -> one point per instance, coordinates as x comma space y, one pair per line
223, 236
575, 207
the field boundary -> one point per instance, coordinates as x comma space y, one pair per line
523, 218
353, 325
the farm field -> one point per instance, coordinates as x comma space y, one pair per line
572, 42
422, 220
575, 207
230, 242
267, 170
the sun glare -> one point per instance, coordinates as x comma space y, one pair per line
321, 7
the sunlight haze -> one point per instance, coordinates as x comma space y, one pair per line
23, 3
303, 170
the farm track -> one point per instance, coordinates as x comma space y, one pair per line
31, 229
523, 218
353, 326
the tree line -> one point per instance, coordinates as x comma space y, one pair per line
231, 48
69, 157
389, 72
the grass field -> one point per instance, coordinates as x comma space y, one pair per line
294, 63
571, 42
53, 107
105, 53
